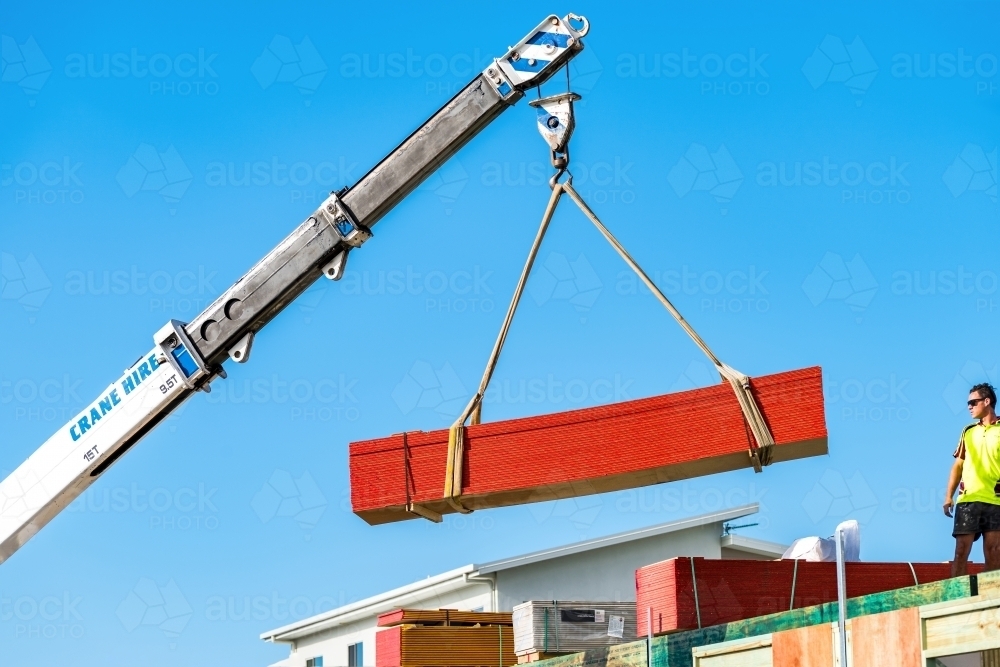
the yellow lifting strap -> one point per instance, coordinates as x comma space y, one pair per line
456, 435
760, 450
760, 454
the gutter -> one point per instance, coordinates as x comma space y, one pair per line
491, 580
373, 605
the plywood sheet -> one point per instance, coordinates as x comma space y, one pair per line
892, 638
803, 647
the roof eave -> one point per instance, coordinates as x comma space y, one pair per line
619, 538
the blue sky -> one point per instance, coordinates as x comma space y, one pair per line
812, 185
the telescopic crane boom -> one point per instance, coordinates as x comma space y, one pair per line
187, 357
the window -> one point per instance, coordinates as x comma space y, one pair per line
315, 662
355, 655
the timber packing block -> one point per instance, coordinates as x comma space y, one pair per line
593, 450
735, 590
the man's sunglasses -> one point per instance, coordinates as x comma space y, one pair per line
974, 401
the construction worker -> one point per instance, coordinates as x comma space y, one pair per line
976, 476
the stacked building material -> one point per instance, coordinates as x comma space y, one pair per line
592, 450
732, 590
452, 617
444, 638
551, 627
958, 627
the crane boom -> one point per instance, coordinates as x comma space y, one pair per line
187, 357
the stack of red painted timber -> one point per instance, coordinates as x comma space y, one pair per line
444, 638
593, 450
733, 590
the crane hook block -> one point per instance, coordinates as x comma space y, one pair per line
556, 121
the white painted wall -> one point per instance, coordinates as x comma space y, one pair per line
605, 574
332, 644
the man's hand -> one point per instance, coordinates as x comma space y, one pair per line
948, 505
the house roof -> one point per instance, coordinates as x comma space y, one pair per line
460, 577
753, 546
617, 538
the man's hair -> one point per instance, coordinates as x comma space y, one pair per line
985, 390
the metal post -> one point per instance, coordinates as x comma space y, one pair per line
841, 596
649, 637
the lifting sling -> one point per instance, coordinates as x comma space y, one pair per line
556, 124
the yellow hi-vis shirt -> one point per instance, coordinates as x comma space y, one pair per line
979, 448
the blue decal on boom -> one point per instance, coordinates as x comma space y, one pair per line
521, 64
554, 38
504, 89
185, 360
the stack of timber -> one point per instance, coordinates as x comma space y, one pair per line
447, 617
444, 638
732, 590
594, 450
544, 628
959, 612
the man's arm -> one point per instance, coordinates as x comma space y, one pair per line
953, 480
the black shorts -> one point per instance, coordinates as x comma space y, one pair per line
976, 518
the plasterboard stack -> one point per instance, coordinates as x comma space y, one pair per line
594, 450
444, 638
732, 590
733, 643
551, 627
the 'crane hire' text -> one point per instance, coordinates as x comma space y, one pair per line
107, 403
